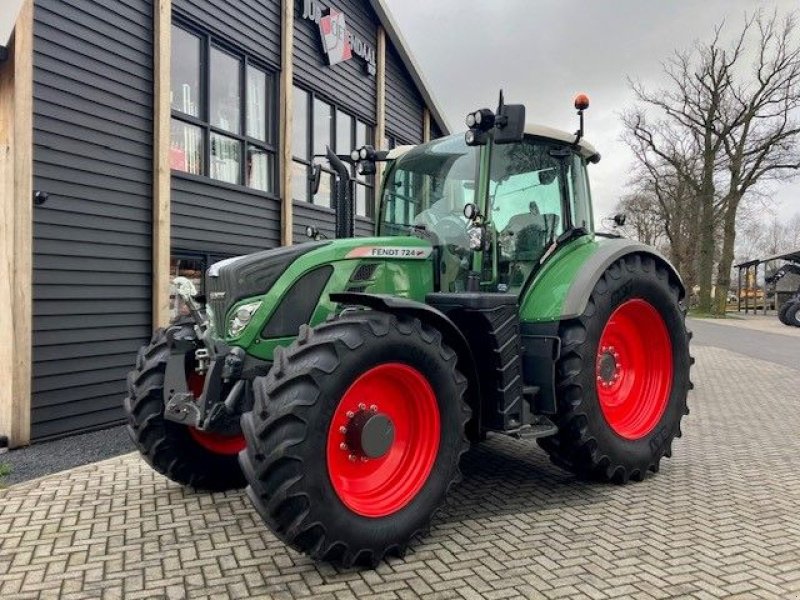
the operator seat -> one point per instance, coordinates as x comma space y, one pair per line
527, 233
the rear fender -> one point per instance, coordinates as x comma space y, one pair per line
451, 335
562, 287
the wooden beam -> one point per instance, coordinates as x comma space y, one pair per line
285, 119
380, 82
380, 108
16, 240
7, 205
162, 247
426, 125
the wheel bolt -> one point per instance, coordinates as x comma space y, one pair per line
364, 459
374, 408
600, 379
350, 414
342, 446
362, 406
342, 429
352, 458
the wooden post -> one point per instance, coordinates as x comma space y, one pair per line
16, 240
162, 246
739, 291
380, 83
285, 120
426, 125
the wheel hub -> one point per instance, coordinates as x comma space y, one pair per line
634, 369
368, 434
379, 455
608, 368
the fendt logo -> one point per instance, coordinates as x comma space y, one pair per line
390, 252
338, 42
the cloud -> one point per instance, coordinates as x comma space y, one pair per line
542, 53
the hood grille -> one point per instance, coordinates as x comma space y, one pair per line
246, 277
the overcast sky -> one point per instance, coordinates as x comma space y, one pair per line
542, 52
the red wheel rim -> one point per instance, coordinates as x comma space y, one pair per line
634, 369
213, 442
377, 487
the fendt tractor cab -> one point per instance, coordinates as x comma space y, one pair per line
341, 380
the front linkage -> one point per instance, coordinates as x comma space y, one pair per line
219, 405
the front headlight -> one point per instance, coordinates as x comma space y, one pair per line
241, 318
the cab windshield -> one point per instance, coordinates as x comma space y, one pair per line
531, 186
428, 188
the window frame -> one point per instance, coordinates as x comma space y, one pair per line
308, 161
203, 121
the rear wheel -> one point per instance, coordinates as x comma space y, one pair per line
793, 315
623, 375
202, 460
785, 309
355, 436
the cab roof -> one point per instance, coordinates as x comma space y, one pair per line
543, 131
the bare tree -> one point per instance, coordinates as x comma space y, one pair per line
721, 129
762, 146
672, 199
644, 220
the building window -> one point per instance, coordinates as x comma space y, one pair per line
317, 124
223, 104
193, 266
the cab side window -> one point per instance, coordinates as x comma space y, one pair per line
526, 211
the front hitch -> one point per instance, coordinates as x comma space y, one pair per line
217, 405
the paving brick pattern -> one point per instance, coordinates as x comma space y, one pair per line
721, 520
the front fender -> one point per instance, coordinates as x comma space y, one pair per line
562, 287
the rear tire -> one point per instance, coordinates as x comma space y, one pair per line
623, 375
169, 447
792, 315
783, 310
312, 490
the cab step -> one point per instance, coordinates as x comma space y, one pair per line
539, 428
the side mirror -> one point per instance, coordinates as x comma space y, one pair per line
619, 219
470, 211
510, 124
507, 124
316, 177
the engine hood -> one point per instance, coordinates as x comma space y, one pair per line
241, 277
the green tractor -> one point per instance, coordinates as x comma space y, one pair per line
341, 380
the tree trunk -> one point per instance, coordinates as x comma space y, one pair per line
726, 255
706, 230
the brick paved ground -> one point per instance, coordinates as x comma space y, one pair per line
721, 520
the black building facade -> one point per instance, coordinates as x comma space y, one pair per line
170, 134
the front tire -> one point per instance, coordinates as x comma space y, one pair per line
318, 480
202, 460
623, 375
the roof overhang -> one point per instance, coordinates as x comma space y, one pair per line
400, 44
791, 256
9, 11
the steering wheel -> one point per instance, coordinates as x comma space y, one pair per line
452, 232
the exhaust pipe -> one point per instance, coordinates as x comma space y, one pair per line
343, 197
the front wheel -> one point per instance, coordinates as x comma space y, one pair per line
355, 436
623, 375
199, 459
